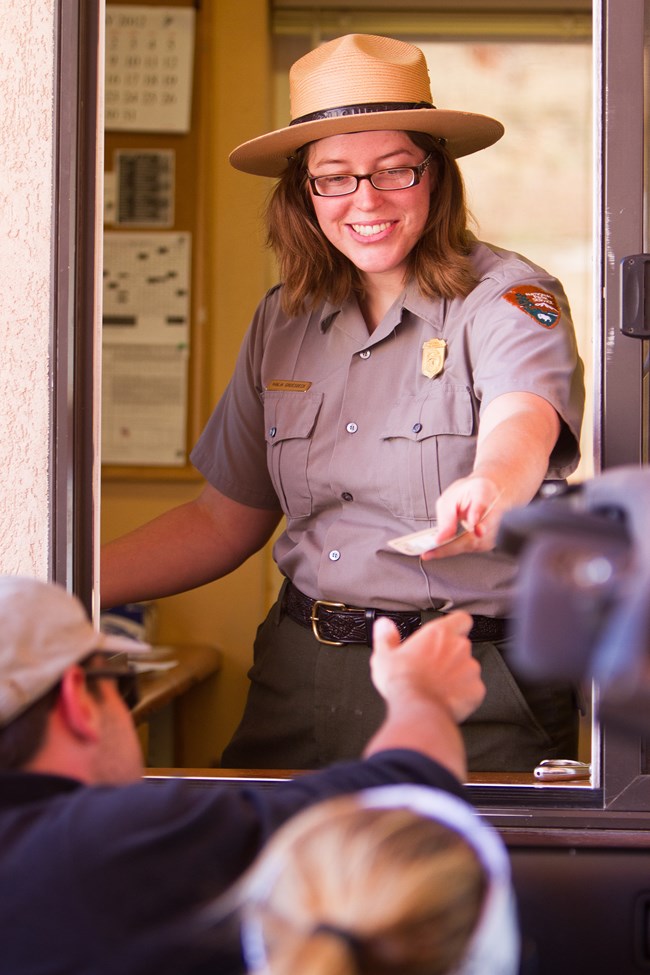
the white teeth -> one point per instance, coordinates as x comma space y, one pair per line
369, 230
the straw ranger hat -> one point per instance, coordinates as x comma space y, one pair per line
361, 83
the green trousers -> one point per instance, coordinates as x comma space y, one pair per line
310, 704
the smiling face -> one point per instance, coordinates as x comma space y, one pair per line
375, 229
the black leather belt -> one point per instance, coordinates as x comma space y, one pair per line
337, 624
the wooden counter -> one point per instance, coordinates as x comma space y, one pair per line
195, 662
171, 701
274, 775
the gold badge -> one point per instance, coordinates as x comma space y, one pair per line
433, 357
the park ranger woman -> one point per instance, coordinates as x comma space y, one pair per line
402, 376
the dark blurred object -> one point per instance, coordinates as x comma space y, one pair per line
136, 620
582, 608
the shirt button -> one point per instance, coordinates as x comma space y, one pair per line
273, 431
335, 555
417, 427
365, 354
352, 427
347, 496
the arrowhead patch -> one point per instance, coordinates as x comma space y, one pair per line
540, 305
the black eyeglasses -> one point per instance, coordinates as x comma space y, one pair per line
341, 184
117, 667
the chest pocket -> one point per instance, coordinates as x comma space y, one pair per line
426, 444
289, 421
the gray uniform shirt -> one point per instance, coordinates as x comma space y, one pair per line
348, 435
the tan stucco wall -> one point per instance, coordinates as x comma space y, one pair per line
26, 148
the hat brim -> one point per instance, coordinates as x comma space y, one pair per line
115, 643
464, 132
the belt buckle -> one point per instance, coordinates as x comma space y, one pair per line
317, 603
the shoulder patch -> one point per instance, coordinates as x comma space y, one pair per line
541, 305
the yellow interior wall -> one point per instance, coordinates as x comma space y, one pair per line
234, 53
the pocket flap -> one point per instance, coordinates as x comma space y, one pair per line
290, 416
447, 410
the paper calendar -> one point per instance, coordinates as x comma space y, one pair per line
149, 58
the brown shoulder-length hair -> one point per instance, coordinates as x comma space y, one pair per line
313, 270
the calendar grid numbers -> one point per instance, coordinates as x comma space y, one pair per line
149, 59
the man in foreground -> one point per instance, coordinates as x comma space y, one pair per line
100, 871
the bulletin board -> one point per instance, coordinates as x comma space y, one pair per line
152, 394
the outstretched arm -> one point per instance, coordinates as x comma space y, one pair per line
517, 434
185, 547
430, 683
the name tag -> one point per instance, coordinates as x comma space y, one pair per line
289, 385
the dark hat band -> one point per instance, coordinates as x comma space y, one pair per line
364, 109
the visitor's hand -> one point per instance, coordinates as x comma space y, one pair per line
434, 662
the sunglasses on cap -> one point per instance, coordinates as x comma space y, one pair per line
116, 666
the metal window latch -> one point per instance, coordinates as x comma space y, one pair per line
635, 296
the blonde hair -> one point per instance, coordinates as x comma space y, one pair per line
345, 889
313, 270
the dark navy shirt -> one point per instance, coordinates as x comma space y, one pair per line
98, 880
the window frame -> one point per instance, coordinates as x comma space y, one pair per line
620, 802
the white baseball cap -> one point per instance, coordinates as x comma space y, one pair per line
43, 631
